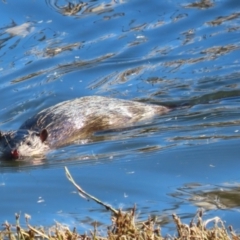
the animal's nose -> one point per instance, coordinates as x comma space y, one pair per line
15, 153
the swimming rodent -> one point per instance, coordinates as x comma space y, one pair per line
72, 120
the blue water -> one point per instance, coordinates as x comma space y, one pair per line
184, 55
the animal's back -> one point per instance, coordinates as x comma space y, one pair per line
81, 117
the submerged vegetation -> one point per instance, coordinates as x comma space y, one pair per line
124, 227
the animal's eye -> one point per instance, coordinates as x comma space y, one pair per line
29, 143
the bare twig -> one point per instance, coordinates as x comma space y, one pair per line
87, 195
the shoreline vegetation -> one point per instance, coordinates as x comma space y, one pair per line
124, 227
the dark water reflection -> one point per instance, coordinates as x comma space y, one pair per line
215, 197
184, 55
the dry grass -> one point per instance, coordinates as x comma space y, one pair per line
124, 227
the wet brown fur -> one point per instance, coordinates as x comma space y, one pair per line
78, 119
63, 131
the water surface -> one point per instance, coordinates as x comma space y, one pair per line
182, 54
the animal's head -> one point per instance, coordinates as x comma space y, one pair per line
23, 143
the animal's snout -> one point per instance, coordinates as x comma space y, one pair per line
15, 153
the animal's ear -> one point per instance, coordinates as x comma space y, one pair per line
43, 135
